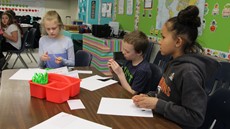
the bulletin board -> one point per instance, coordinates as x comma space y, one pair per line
217, 27
126, 21
24, 7
213, 40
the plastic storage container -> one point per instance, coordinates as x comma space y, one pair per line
58, 89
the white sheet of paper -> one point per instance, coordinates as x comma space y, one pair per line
75, 104
26, 74
73, 74
122, 107
91, 83
85, 71
61, 70
67, 121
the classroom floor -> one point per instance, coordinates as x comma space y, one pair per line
19, 64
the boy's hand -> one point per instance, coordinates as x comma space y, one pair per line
58, 60
115, 67
109, 66
45, 57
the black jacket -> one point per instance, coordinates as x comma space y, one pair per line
182, 97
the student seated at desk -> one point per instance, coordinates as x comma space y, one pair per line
136, 73
11, 33
181, 96
55, 49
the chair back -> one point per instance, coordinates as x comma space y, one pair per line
149, 51
83, 58
24, 38
31, 38
155, 78
161, 60
218, 113
221, 79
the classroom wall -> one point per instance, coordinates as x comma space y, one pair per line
217, 42
63, 7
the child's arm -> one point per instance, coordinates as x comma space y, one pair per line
71, 57
115, 67
13, 37
41, 52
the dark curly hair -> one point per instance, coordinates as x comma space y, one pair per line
186, 26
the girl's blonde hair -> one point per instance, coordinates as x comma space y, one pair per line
51, 16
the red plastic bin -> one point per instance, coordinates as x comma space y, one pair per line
74, 82
37, 90
58, 89
58, 92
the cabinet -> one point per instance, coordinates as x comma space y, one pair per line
91, 11
102, 50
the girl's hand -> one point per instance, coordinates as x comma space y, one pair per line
58, 60
1, 31
45, 57
143, 101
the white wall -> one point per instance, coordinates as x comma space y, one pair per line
63, 7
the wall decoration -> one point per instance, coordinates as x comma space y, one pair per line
217, 53
114, 10
109, 10
93, 9
152, 30
213, 25
24, 7
215, 10
226, 11
103, 9
148, 4
106, 10
129, 10
206, 9
136, 20
120, 6
204, 24
170, 8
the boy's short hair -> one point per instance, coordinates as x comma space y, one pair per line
138, 39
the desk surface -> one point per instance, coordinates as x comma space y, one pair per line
18, 110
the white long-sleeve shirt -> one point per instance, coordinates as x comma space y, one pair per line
56, 47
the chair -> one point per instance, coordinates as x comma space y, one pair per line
149, 51
82, 58
17, 52
29, 43
221, 79
218, 113
155, 78
161, 60
120, 59
218, 89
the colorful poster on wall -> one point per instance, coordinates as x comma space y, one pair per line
24, 7
170, 8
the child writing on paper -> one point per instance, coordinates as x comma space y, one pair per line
136, 73
181, 96
55, 49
